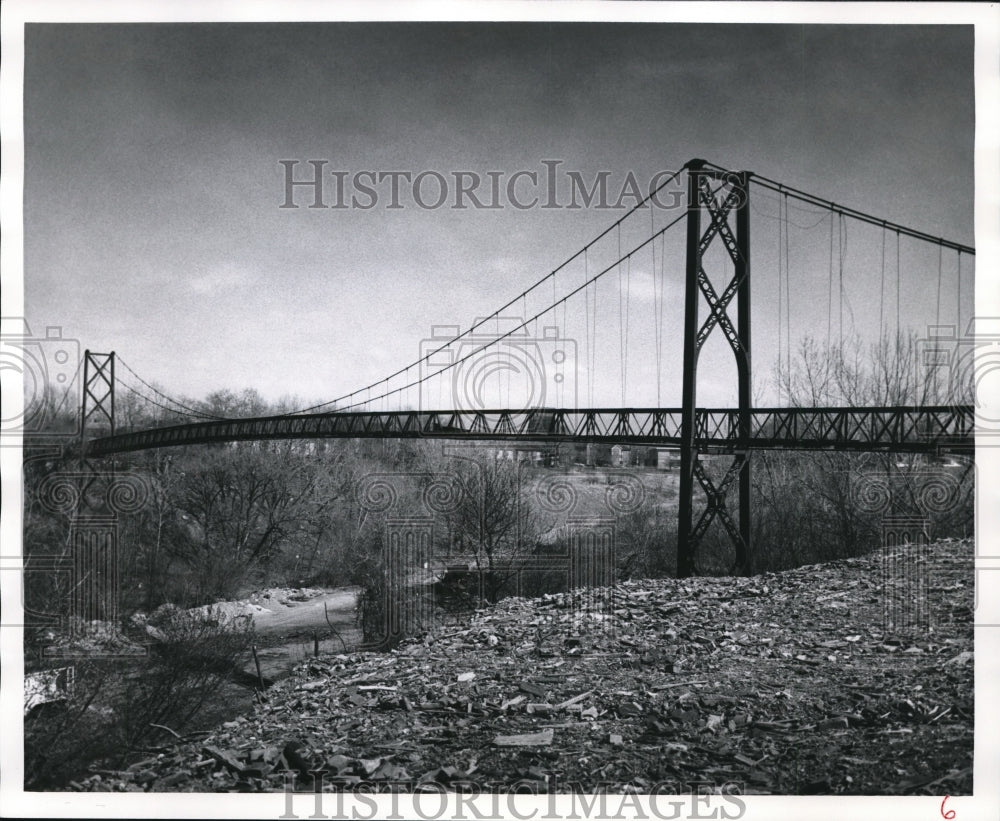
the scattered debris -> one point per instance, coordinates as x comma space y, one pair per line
540, 739
779, 691
47, 686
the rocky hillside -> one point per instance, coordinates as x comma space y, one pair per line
788, 683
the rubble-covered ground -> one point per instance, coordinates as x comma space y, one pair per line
786, 683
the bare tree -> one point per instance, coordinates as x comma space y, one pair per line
492, 520
810, 506
247, 503
892, 371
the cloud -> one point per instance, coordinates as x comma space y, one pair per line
217, 279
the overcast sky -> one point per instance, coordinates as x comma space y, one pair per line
153, 181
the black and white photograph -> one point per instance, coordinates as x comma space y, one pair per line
517, 410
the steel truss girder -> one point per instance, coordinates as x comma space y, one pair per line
902, 429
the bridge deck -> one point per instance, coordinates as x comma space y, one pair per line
900, 429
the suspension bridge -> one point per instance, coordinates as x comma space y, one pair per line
527, 379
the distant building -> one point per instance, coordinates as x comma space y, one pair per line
597, 455
667, 458
626, 456
540, 455
661, 458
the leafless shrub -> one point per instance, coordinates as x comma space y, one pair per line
116, 701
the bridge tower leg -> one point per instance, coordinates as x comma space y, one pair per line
718, 194
94, 525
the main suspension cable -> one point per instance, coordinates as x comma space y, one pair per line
856, 214
162, 395
475, 326
562, 301
152, 401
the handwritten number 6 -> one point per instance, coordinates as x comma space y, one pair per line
950, 813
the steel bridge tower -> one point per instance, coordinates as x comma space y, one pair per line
718, 194
98, 390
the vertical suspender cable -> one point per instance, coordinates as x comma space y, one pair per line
559, 335
628, 299
840, 275
593, 338
663, 277
628, 288
590, 334
662, 274
658, 287
937, 314
898, 329
958, 306
840, 284
499, 372
780, 253
657, 342
586, 323
657, 339
628, 306
663, 288
881, 289
576, 361
592, 342
847, 301
829, 290
621, 319
788, 294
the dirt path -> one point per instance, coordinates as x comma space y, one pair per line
287, 631
309, 614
